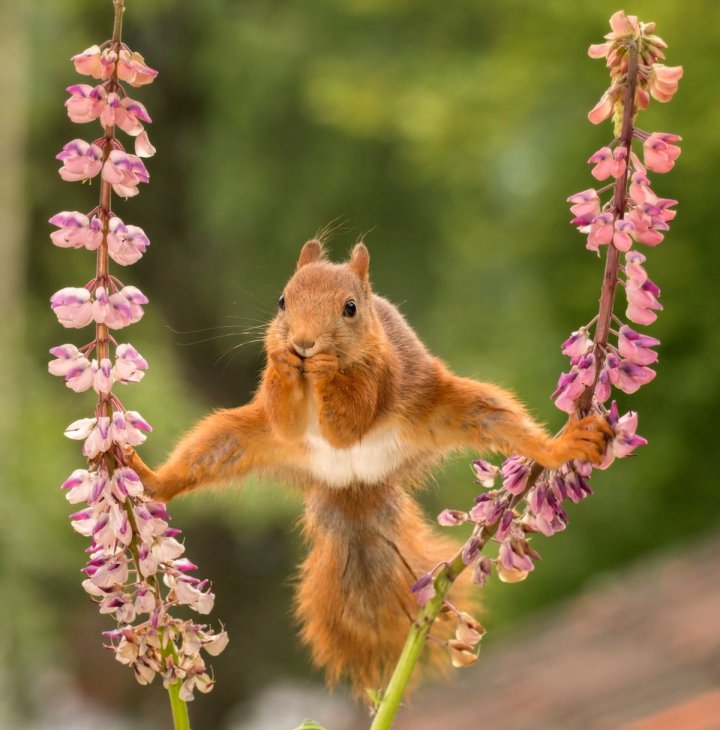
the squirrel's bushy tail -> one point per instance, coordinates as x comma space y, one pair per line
368, 545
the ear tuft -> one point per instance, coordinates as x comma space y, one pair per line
360, 260
311, 252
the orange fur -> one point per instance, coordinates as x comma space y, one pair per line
356, 410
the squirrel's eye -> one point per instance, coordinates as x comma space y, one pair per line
281, 302
350, 309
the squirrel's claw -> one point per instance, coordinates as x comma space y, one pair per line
584, 440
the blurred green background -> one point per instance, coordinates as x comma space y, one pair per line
449, 135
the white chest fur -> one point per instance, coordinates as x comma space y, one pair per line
368, 461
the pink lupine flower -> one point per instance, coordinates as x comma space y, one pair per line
80, 429
78, 485
640, 291
585, 203
569, 389
96, 63
452, 517
487, 510
76, 230
621, 237
642, 303
423, 589
129, 364
599, 50
602, 231
631, 376
647, 227
514, 562
634, 270
126, 244
545, 512
635, 347
623, 25
625, 440
663, 81
85, 103
143, 148
66, 357
573, 485
659, 151
663, 205
577, 344
72, 306
485, 473
604, 164
120, 309
80, 159
603, 109
127, 305
124, 172
515, 472
82, 375
99, 439
482, 571
125, 483
640, 191
193, 596
133, 69
102, 310
102, 379
129, 428
608, 163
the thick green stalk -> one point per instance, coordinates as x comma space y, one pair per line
415, 643
181, 719
411, 652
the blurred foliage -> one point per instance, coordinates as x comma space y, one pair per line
449, 136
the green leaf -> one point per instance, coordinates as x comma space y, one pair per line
310, 725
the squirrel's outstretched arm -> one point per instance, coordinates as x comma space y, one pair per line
225, 445
488, 418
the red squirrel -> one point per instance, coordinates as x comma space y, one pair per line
354, 409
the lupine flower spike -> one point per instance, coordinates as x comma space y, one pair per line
136, 572
605, 355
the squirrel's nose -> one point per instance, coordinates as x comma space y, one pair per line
303, 347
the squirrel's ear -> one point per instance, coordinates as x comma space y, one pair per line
311, 252
360, 260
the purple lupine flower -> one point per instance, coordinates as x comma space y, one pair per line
424, 589
635, 347
577, 344
452, 517
76, 230
631, 377
485, 473
72, 306
81, 161
515, 472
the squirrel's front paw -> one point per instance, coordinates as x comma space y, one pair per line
584, 440
322, 365
146, 475
287, 364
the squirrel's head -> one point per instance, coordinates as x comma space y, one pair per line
326, 307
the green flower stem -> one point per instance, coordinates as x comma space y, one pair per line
415, 643
181, 719
412, 651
